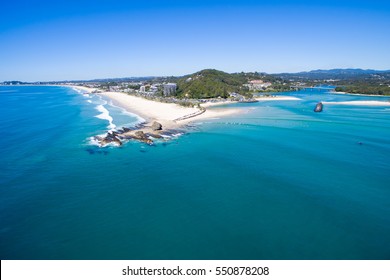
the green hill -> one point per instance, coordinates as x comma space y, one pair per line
211, 83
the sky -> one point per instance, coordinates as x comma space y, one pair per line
76, 39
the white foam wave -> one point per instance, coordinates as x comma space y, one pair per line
89, 101
105, 115
93, 141
174, 135
166, 136
8, 90
177, 134
125, 112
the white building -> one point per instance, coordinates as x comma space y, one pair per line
169, 89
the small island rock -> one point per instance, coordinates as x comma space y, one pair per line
156, 126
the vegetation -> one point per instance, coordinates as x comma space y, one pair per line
378, 84
210, 83
362, 88
356, 81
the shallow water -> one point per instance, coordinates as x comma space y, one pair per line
276, 182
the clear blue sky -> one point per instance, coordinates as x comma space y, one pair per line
50, 40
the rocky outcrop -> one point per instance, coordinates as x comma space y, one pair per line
318, 107
157, 136
141, 136
111, 137
156, 126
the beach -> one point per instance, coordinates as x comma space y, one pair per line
169, 113
277, 98
160, 117
360, 103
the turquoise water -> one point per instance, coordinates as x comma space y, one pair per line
276, 182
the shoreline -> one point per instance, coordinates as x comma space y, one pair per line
358, 94
168, 117
277, 98
359, 103
168, 114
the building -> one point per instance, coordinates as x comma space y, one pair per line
257, 85
169, 89
142, 89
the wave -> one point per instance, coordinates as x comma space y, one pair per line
105, 115
173, 135
125, 112
93, 141
8, 90
360, 103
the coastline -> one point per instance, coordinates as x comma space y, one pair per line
169, 117
359, 103
358, 94
167, 113
277, 98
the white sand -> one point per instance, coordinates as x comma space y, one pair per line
165, 113
87, 89
361, 103
277, 98
361, 94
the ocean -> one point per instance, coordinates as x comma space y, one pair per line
275, 182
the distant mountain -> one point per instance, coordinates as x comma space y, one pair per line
336, 74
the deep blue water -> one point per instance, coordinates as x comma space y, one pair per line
276, 182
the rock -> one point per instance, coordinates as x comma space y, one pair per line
109, 138
125, 129
156, 126
148, 141
154, 135
140, 135
117, 141
318, 107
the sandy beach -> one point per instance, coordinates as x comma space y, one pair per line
277, 98
167, 113
170, 115
87, 89
361, 103
359, 94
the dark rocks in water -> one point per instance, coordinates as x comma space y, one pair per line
154, 135
125, 129
140, 125
90, 151
99, 151
111, 137
141, 136
156, 126
318, 107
